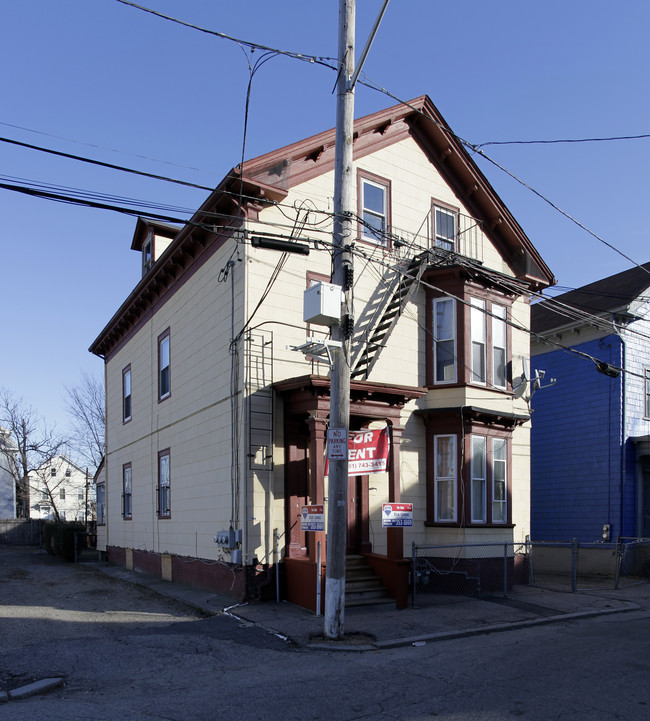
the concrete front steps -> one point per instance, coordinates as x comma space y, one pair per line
362, 586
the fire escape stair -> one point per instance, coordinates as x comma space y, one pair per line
405, 288
362, 586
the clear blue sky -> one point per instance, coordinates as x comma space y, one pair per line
91, 77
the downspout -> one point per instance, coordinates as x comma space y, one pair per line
623, 429
623, 435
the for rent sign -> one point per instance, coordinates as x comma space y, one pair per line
367, 452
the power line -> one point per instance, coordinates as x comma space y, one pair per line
102, 147
565, 140
102, 164
319, 60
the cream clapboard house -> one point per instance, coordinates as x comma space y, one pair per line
216, 425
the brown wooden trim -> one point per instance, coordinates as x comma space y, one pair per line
386, 183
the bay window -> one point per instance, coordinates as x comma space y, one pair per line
468, 466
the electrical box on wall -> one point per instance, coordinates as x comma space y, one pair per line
322, 304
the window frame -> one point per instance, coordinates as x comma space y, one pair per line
440, 479
127, 495
450, 210
464, 428
646, 389
478, 337
164, 337
127, 398
164, 510
100, 496
506, 465
478, 480
384, 185
148, 253
434, 303
496, 320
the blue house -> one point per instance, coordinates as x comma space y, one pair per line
590, 442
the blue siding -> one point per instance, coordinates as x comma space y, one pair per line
576, 456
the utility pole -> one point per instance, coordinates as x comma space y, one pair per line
340, 377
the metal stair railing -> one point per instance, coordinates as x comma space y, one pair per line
405, 287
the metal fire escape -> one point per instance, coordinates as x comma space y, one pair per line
380, 327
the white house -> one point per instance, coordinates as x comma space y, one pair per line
216, 425
61, 487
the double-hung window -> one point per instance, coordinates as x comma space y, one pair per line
444, 227
444, 340
100, 490
127, 493
444, 449
498, 320
164, 366
478, 478
499, 480
478, 331
164, 485
126, 394
374, 209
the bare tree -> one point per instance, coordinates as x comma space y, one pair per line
85, 404
34, 445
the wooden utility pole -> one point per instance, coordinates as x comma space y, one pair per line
340, 379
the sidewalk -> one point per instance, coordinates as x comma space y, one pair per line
380, 627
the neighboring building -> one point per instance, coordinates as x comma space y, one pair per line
216, 428
591, 431
7, 482
62, 487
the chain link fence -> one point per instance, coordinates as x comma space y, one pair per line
466, 569
495, 568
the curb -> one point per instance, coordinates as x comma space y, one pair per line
31, 689
466, 633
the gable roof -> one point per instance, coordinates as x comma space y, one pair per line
614, 294
268, 178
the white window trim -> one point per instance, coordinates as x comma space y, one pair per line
366, 233
478, 475
441, 241
499, 316
477, 310
453, 479
505, 477
435, 342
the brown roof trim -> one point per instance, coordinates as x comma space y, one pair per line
268, 178
487, 416
380, 392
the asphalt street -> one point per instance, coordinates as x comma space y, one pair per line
125, 651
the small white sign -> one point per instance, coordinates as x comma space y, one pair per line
312, 518
397, 515
337, 444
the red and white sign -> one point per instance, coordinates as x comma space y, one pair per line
312, 518
367, 452
396, 515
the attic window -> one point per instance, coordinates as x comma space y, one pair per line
147, 253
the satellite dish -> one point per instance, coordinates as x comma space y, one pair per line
520, 383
